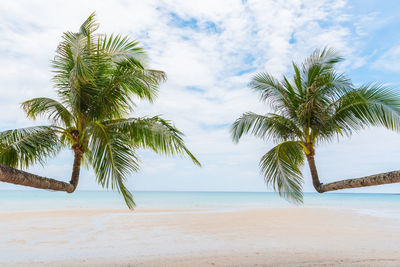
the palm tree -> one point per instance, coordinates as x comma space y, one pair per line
315, 106
97, 78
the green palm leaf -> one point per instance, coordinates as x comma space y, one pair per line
26, 146
274, 126
281, 168
54, 110
154, 133
89, 26
268, 86
112, 158
121, 48
369, 105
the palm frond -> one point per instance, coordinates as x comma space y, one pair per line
154, 133
297, 78
274, 126
281, 168
143, 83
326, 58
333, 85
369, 105
51, 108
75, 47
268, 86
89, 26
121, 48
115, 97
318, 64
26, 146
112, 158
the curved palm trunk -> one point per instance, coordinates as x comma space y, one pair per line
314, 173
377, 179
76, 168
15, 176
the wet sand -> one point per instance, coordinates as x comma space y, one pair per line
262, 237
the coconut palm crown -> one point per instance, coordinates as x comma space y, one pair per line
315, 105
97, 79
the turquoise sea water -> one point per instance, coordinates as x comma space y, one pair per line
387, 205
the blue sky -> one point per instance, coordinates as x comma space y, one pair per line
210, 50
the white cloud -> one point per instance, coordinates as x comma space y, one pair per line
227, 42
390, 60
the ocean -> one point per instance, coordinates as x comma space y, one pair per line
382, 205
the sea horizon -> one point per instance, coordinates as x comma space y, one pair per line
375, 204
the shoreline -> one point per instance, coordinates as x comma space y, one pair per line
365, 211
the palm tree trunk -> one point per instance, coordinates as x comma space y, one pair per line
76, 168
377, 179
314, 173
15, 176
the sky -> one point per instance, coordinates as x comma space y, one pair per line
210, 50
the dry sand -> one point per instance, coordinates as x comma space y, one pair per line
263, 237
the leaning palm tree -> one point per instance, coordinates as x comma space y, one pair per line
316, 105
97, 78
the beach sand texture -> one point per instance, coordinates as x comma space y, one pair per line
262, 237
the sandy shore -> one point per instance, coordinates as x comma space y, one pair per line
263, 237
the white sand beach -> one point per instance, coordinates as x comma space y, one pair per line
261, 237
